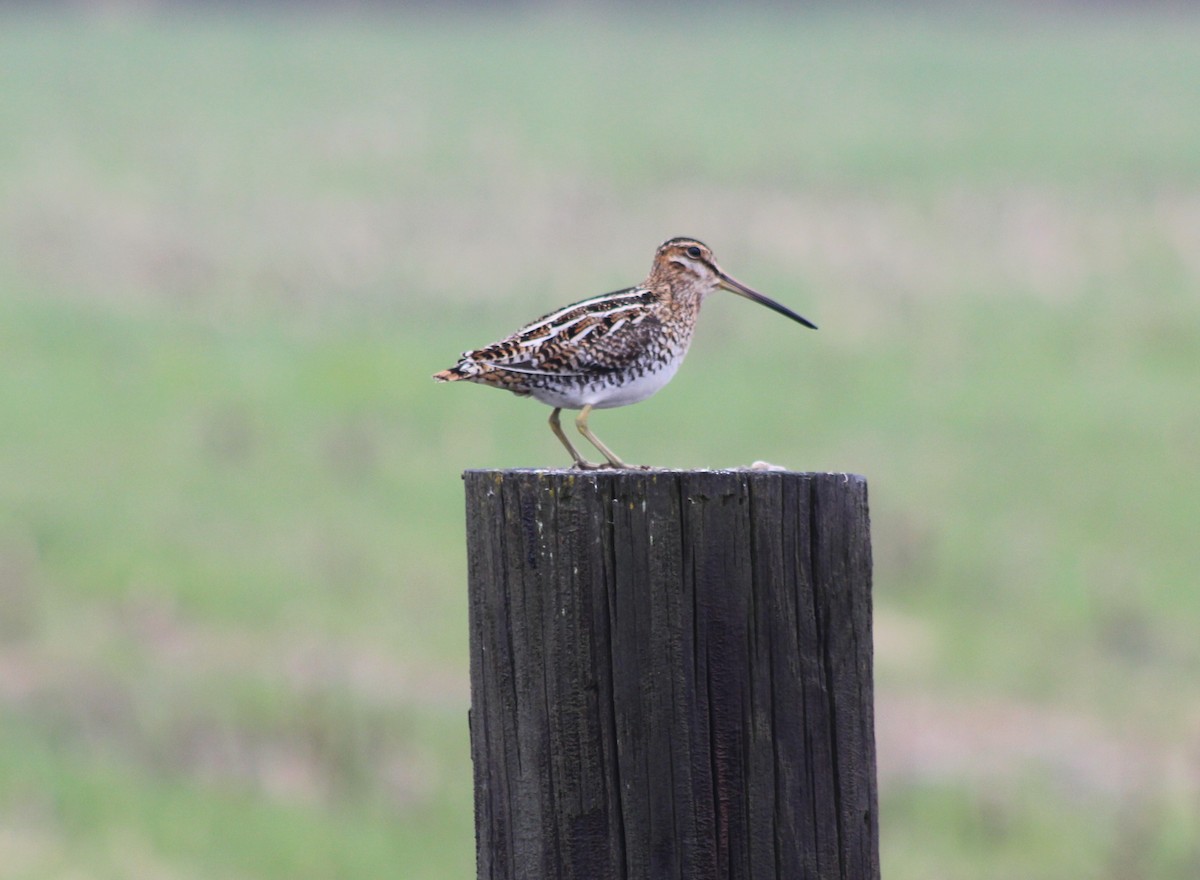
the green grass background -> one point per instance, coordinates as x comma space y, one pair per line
233, 248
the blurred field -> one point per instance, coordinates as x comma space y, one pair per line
232, 250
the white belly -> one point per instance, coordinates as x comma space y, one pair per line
606, 395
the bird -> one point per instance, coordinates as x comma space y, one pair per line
610, 350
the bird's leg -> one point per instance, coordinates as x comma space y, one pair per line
580, 461
582, 425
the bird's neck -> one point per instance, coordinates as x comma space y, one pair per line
678, 290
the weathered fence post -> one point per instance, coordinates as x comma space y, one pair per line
671, 675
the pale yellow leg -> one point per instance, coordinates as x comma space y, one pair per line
581, 424
580, 461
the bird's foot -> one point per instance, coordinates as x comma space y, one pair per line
583, 465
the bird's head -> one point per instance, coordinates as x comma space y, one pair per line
686, 266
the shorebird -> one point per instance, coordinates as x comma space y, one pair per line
610, 350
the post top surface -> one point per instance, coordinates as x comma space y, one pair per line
650, 473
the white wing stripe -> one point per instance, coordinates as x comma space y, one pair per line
636, 294
531, 371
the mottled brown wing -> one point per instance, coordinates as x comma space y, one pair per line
591, 337
591, 345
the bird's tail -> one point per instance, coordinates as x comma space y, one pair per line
464, 369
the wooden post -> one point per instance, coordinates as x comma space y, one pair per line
671, 675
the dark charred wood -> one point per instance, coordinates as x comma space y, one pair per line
671, 675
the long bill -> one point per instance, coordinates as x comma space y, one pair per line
735, 286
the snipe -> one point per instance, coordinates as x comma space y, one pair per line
610, 350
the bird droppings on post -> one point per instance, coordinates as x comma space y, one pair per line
766, 466
610, 350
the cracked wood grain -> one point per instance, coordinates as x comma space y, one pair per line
671, 675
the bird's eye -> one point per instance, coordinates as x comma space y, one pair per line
693, 252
